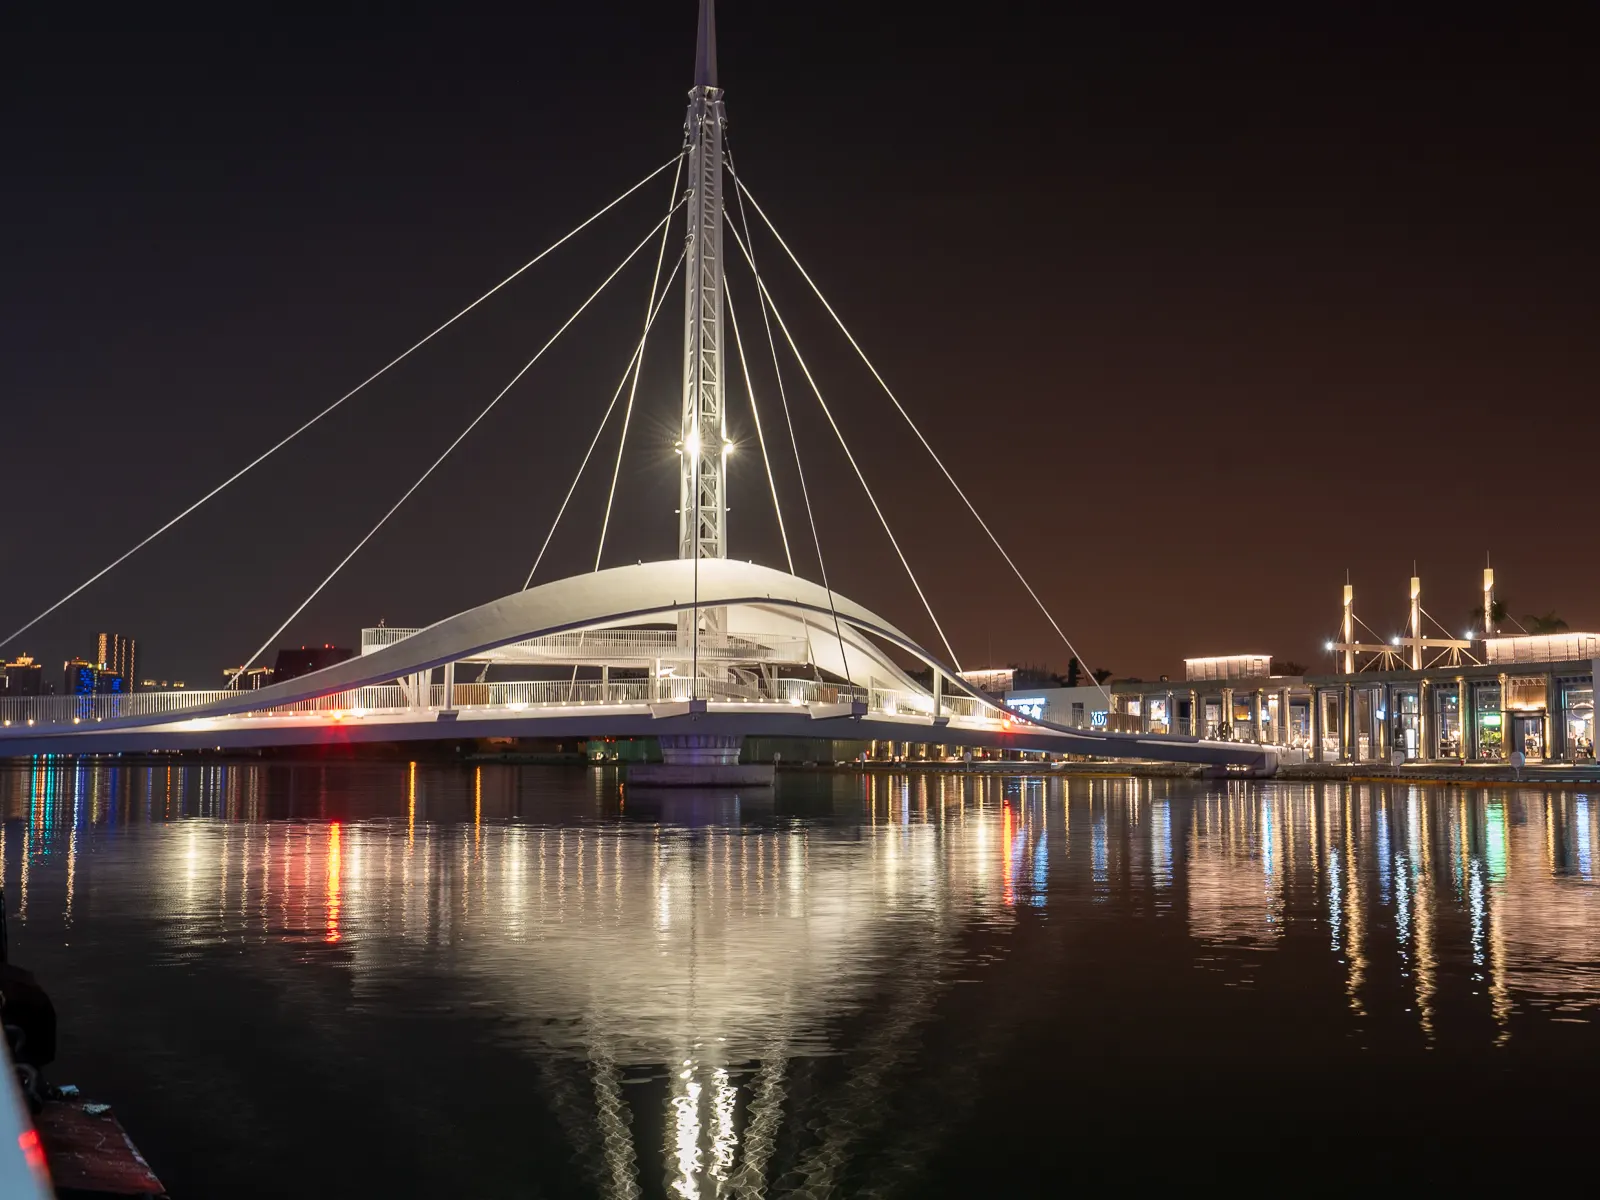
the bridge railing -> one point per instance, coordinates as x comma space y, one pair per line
56, 711
74, 710
891, 702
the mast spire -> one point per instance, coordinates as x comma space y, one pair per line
705, 46
702, 504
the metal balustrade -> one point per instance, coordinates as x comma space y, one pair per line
390, 699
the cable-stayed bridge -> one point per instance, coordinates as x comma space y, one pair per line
700, 650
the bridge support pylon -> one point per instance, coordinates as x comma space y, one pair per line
701, 760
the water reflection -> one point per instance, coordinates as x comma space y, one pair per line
687, 955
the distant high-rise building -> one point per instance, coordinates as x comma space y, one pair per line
293, 663
109, 683
24, 677
78, 677
117, 653
255, 677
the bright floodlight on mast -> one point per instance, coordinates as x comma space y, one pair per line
702, 503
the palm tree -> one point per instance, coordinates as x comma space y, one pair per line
1549, 623
1101, 675
1497, 613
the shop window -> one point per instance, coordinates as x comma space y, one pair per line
1406, 724
1491, 736
1578, 714
1158, 715
1330, 725
1300, 725
1447, 723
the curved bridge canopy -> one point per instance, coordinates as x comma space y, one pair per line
764, 601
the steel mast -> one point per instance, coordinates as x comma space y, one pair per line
702, 503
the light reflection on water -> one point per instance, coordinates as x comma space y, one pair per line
743, 995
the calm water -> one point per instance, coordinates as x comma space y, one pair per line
444, 981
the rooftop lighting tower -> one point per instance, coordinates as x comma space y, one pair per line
1488, 601
704, 446
1416, 621
1347, 628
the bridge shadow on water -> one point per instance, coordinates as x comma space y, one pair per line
411, 979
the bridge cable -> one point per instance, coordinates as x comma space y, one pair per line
1017, 571
606, 417
871, 499
638, 367
754, 412
794, 442
460, 437
247, 468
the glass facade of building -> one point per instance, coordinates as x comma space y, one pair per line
1489, 734
1577, 713
1446, 722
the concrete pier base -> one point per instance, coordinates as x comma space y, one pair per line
704, 775
701, 760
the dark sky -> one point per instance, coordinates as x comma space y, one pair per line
1204, 309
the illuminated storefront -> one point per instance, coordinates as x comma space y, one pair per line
1448, 730
1232, 697
1489, 739
1480, 712
1577, 719
1075, 707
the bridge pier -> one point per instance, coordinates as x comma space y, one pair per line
701, 760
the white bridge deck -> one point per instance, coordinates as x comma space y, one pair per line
148, 722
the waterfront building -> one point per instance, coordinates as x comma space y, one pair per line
1531, 695
78, 677
293, 663
114, 652
249, 681
1421, 696
1083, 707
24, 677
1229, 697
1418, 697
995, 681
1481, 698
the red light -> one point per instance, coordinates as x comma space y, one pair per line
334, 889
33, 1152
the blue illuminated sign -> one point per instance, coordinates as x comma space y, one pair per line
1097, 720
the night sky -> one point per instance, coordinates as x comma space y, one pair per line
1204, 309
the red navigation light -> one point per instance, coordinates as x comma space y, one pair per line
33, 1152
